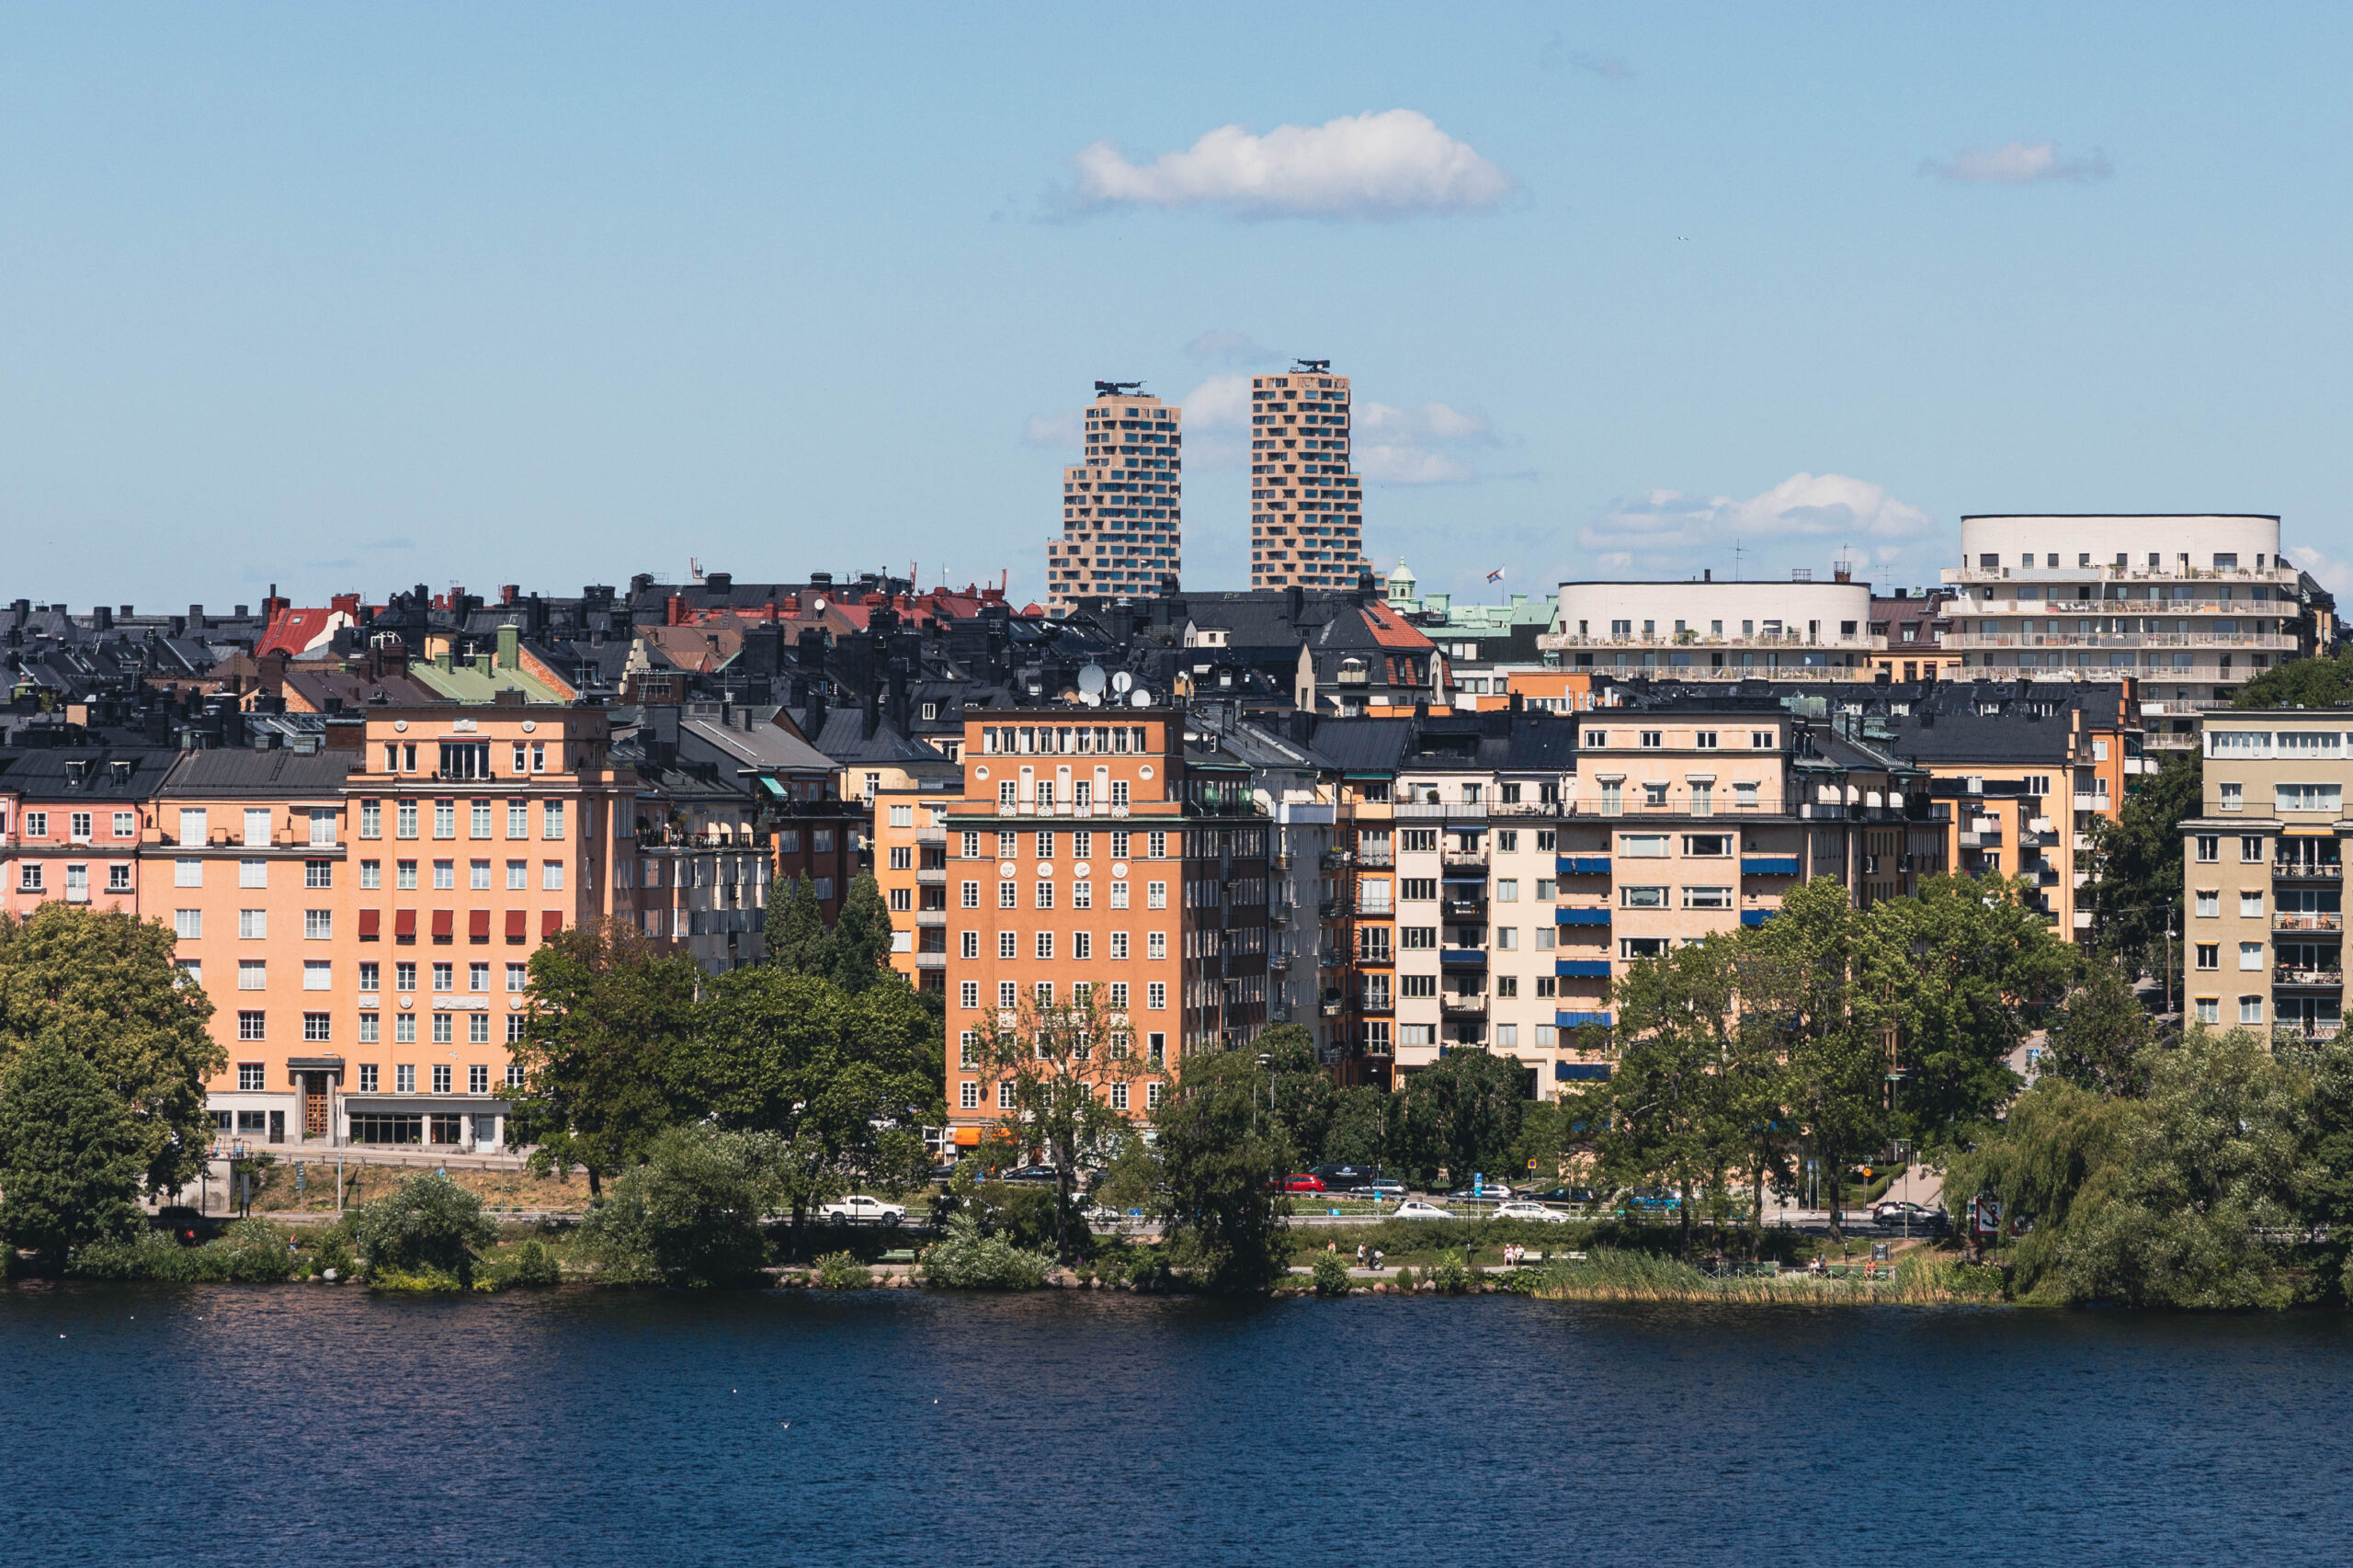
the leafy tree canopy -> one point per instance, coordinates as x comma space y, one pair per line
69, 1154
2301, 683
1218, 1148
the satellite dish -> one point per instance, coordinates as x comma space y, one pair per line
1091, 698
820, 603
1121, 681
1090, 680
1139, 698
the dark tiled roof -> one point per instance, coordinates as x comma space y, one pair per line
236, 771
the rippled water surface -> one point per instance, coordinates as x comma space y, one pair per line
229, 1426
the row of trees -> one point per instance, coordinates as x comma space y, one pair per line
1825, 1033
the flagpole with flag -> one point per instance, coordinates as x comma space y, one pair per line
1496, 576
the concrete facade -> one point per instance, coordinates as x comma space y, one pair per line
1306, 503
1711, 630
1123, 529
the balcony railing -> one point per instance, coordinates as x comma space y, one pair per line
2299, 920
1815, 641
1464, 859
2287, 975
2307, 870
1453, 1006
2057, 639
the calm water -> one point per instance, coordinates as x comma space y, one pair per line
227, 1426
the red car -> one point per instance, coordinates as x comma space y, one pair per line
1302, 1183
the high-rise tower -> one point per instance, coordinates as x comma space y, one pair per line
1123, 503
1306, 521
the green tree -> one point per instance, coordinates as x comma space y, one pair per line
2178, 1199
691, 1215
798, 942
1461, 1112
1216, 1144
1803, 1009
69, 1154
2100, 1036
1962, 972
606, 1018
104, 984
1305, 1098
1362, 1119
2301, 683
429, 1226
1665, 1108
846, 1083
858, 950
2135, 864
1059, 1068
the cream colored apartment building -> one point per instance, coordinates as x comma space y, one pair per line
1710, 630
2263, 873
1122, 504
1306, 503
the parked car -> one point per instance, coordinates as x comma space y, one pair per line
1043, 1174
1380, 1190
1895, 1216
1561, 1195
1521, 1209
860, 1210
1490, 1192
1102, 1214
1415, 1209
189, 1226
1342, 1179
1302, 1182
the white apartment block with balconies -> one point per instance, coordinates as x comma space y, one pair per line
1710, 630
2188, 606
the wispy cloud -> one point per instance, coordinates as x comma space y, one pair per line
1217, 422
2330, 572
2019, 163
1668, 530
1228, 347
1557, 53
1065, 427
1393, 164
1424, 445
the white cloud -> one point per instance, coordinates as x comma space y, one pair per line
1227, 348
1409, 446
2330, 573
1667, 529
1065, 427
1393, 164
2019, 163
1220, 402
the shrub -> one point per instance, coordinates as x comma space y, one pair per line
1331, 1275
690, 1216
966, 1260
1404, 1280
430, 1225
534, 1264
840, 1271
255, 1252
144, 1254
1147, 1272
331, 1249
1452, 1275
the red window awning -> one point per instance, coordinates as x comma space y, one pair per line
445, 925
519, 925
551, 922
478, 924
405, 925
372, 925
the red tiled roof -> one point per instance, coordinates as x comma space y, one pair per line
1392, 632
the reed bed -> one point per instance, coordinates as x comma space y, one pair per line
1609, 1275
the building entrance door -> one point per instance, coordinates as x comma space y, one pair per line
315, 1106
486, 1134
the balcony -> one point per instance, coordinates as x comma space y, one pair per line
2332, 978
1472, 860
931, 960
931, 917
2299, 920
930, 878
1755, 916
1457, 906
1278, 962
1583, 1020
1580, 918
1769, 866
1463, 958
2088, 802
1378, 1006
1989, 838
1582, 865
1374, 859
1453, 1006
1331, 908
2307, 871
1581, 969
1332, 860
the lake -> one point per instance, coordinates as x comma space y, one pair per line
313, 1423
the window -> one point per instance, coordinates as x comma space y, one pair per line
551, 876
367, 1029
2250, 955
1707, 844
478, 977
256, 827
444, 977
372, 819
1416, 890
2210, 955
1156, 944
478, 1029
404, 875
1642, 898
1008, 895
972, 895
1650, 740
1155, 995
2235, 797
1151, 1096
2209, 1010
2251, 851
1156, 894
1005, 1096
551, 820
185, 874
2209, 901
253, 873
404, 975
371, 978
318, 974
318, 924
404, 1033
1707, 898
478, 876
253, 924
2309, 797
518, 819
1008, 995
478, 1077
1507, 890
316, 1026
404, 1078
2250, 1009
519, 876
968, 994
253, 975
1044, 992
1045, 895
367, 1070
1045, 944
249, 1025
1119, 1097
969, 1096
2250, 905
441, 1073
188, 924
517, 979
1642, 846
443, 1033
2210, 846
445, 818
1119, 995
29, 879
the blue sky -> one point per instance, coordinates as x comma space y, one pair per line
347, 298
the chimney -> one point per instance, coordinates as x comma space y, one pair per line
1707, 573
1295, 602
510, 644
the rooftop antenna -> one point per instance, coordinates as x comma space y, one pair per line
1312, 367
1736, 561
1116, 388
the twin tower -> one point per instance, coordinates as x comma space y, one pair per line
1123, 503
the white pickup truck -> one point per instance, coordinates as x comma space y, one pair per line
861, 1210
